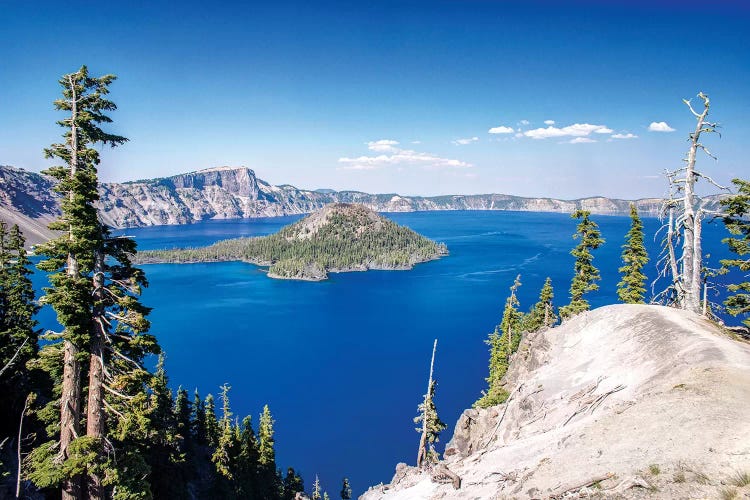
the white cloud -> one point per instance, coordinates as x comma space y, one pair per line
384, 145
464, 142
660, 127
575, 130
549, 122
581, 140
625, 136
416, 142
501, 130
398, 157
524, 122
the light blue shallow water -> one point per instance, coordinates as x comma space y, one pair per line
343, 363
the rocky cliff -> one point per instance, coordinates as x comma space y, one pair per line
27, 199
231, 193
626, 401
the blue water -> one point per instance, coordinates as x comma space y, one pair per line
343, 363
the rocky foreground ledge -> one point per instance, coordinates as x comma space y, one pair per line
626, 401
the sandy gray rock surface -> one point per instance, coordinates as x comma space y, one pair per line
626, 401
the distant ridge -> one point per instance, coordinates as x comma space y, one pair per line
236, 192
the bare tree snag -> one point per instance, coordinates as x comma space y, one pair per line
686, 218
422, 451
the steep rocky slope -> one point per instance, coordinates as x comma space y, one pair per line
229, 193
626, 401
27, 199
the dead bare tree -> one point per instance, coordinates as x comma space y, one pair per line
684, 216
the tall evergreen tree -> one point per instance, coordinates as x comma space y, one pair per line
18, 328
211, 424
737, 209
543, 312
503, 343
267, 477
199, 420
247, 468
94, 291
586, 275
292, 484
316, 491
632, 288
346, 490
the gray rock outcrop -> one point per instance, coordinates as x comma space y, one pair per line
626, 401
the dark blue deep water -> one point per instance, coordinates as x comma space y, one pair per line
343, 363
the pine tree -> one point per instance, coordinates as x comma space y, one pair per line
247, 468
18, 329
316, 493
586, 275
199, 420
503, 342
346, 490
543, 312
94, 291
632, 287
223, 453
182, 412
434, 426
512, 318
737, 209
268, 479
292, 484
210, 423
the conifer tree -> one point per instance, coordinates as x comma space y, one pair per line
223, 453
737, 209
316, 493
434, 426
247, 469
18, 327
503, 342
292, 484
94, 290
210, 423
632, 287
586, 275
543, 312
199, 420
268, 479
512, 318
346, 490
182, 412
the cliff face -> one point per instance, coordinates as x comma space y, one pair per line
27, 199
626, 401
231, 193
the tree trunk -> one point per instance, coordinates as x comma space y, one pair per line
691, 247
70, 413
95, 408
70, 402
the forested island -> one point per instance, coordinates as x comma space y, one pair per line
339, 237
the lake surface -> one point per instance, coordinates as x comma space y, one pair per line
344, 363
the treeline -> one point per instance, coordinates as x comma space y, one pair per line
81, 417
349, 239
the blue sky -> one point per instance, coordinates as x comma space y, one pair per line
391, 96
